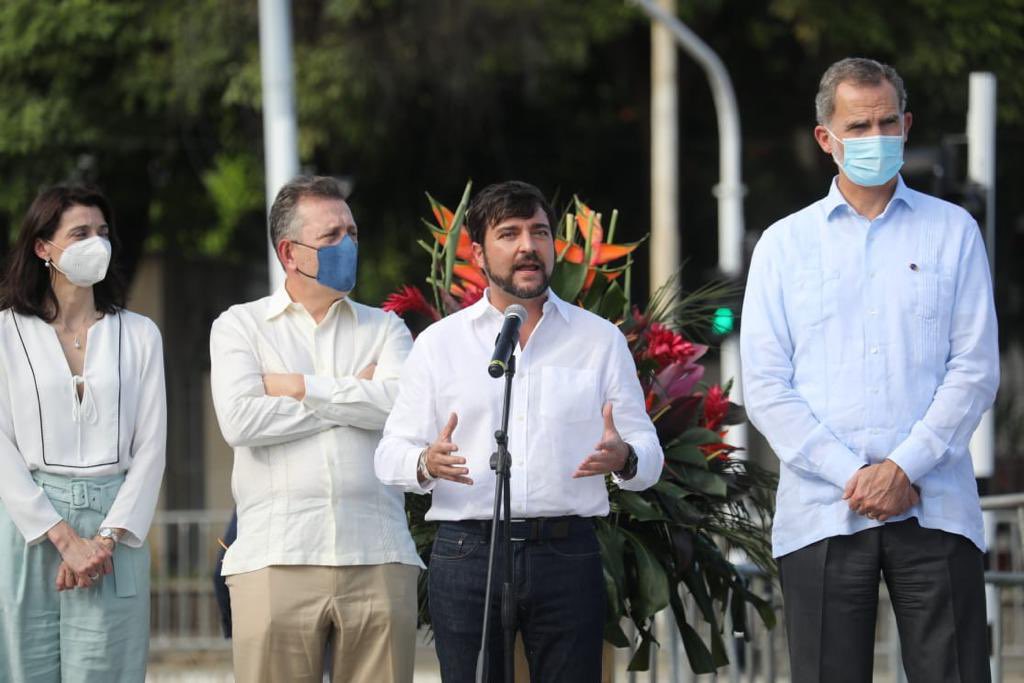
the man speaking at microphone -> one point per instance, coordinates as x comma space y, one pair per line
576, 414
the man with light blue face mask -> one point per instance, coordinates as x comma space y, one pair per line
869, 354
302, 383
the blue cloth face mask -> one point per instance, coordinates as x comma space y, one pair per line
337, 264
870, 161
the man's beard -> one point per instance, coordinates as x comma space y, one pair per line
508, 285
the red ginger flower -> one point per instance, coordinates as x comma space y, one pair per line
665, 346
716, 405
410, 299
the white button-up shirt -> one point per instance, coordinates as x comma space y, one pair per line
573, 363
303, 475
118, 425
865, 340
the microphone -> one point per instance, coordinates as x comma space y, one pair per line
505, 344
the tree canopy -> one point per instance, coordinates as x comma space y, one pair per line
159, 102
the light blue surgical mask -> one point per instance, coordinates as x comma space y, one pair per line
336, 264
870, 161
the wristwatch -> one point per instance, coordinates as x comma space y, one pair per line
107, 532
421, 468
628, 470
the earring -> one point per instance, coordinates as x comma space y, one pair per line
46, 263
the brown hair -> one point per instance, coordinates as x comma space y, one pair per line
510, 199
26, 281
282, 211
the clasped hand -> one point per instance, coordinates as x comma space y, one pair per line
83, 560
880, 491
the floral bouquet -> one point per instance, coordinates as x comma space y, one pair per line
707, 502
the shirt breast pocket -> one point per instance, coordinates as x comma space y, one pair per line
569, 394
811, 296
927, 285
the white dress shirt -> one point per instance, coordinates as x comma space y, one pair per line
303, 474
119, 424
573, 363
865, 340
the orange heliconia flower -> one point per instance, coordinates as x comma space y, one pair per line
464, 249
470, 273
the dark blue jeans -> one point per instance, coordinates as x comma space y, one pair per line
559, 587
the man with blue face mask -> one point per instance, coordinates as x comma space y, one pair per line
869, 355
302, 383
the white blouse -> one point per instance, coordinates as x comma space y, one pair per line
118, 425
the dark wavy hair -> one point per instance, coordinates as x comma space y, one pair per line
497, 202
26, 281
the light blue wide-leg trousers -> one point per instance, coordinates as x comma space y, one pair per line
91, 634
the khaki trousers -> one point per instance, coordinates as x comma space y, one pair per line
283, 617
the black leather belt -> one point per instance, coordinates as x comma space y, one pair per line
532, 528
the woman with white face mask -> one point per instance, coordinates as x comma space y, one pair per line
82, 437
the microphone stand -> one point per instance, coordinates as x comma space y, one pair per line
501, 463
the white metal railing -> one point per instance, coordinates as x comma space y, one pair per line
185, 615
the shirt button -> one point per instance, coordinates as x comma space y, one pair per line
872, 311
874, 391
871, 275
874, 349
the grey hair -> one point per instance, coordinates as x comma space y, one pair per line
283, 223
859, 71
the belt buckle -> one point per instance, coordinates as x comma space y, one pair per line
79, 494
513, 538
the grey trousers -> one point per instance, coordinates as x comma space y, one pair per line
937, 586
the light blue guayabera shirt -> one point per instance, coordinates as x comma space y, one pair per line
864, 340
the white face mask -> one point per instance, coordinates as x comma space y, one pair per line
84, 263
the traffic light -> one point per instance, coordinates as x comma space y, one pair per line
723, 321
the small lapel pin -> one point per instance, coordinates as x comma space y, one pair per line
913, 267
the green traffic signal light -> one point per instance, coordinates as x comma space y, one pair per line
723, 321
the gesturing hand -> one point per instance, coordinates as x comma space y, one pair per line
609, 454
880, 491
440, 461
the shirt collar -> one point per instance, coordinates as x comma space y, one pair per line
835, 199
483, 306
280, 301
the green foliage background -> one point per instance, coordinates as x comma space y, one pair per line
159, 101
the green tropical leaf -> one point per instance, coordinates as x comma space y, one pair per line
696, 651
677, 506
698, 436
614, 634
639, 507
641, 660
613, 303
649, 595
452, 244
567, 279
688, 454
595, 294
710, 483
